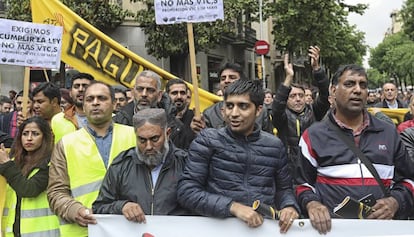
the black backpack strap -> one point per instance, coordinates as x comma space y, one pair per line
351, 144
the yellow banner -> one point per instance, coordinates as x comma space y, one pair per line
89, 50
397, 115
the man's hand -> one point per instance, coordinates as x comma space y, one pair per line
319, 216
246, 214
197, 124
85, 217
4, 156
384, 208
286, 217
314, 56
288, 71
133, 212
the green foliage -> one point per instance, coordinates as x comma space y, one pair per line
300, 23
167, 40
394, 57
375, 78
407, 14
19, 10
99, 13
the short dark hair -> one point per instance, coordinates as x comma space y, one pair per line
254, 88
118, 90
349, 67
299, 86
49, 89
110, 88
82, 75
5, 99
175, 81
233, 66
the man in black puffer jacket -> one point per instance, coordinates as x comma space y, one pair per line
231, 167
143, 180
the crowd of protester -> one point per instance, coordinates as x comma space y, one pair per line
99, 149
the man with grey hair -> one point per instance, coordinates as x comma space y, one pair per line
147, 93
143, 180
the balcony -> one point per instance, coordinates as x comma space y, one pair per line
243, 36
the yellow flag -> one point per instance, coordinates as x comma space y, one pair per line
89, 50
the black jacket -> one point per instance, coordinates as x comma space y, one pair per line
181, 133
290, 125
185, 135
383, 104
331, 171
129, 180
223, 167
407, 136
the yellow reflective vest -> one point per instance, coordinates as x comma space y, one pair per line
61, 126
36, 218
86, 168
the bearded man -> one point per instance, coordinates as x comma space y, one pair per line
143, 180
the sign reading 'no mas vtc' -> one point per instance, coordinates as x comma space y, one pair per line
177, 11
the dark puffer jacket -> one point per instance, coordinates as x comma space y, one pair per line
129, 180
223, 167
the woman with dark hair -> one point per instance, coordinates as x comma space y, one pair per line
26, 209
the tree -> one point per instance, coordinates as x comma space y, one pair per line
99, 13
393, 57
408, 18
375, 78
300, 23
168, 40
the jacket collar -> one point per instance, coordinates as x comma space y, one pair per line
373, 125
254, 136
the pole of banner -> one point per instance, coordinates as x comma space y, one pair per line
193, 69
26, 83
261, 37
45, 74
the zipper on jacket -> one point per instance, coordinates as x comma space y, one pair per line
152, 192
246, 174
362, 174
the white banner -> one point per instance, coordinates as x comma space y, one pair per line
186, 226
176, 11
29, 44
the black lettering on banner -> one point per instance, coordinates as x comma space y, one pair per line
85, 46
167, 3
184, 2
207, 1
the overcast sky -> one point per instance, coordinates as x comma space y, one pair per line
376, 19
